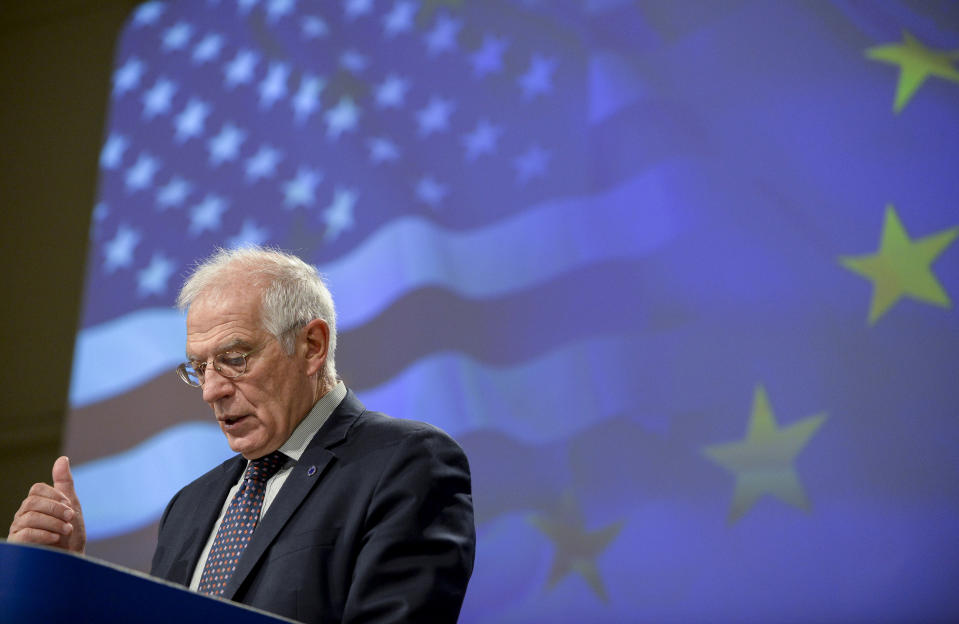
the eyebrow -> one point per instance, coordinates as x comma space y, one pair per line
231, 345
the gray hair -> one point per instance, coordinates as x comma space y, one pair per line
293, 292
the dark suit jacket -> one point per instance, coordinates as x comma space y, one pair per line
381, 531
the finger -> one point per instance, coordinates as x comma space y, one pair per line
63, 478
33, 536
36, 520
56, 509
42, 491
46, 490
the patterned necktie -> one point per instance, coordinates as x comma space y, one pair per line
237, 527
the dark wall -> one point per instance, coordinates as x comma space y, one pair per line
55, 62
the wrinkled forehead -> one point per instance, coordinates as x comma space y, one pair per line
223, 319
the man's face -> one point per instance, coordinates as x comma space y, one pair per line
259, 409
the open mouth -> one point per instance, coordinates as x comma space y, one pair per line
231, 421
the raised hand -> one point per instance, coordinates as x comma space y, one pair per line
51, 514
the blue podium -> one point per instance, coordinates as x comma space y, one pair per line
39, 584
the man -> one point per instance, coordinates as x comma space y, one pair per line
329, 513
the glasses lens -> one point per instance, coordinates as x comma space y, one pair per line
230, 364
189, 374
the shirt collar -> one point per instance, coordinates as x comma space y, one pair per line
296, 444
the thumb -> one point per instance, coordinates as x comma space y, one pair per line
63, 478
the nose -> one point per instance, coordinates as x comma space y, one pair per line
216, 386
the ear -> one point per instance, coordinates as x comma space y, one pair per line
317, 345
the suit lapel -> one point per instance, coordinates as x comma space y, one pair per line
298, 485
207, 511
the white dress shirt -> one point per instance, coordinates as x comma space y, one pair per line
293, 448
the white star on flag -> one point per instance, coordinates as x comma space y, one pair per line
356, 8
245, 6
157, 99
538, 79
190, 122
119, 249
153, 279
435, 117
177, 36
482, 140
391, 92
341, 118
127, 77
140, 175
278, 8
430, 191
206, 215
173, 193
249, 235
273, 86
100, 211
112, 152
443, 36
240, 69
399, 19
148, 13
307, 98
489, 58
353, 61
301, 190
208, 49
226, 145
382, 149
262, 164
314, 27
339, 215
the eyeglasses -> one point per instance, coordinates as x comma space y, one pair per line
230, 364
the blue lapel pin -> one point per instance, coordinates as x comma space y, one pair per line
311, 471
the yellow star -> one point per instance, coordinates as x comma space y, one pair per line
762, 462
916, 63
576, 548
902, 267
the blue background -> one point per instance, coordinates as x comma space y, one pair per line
599, 232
